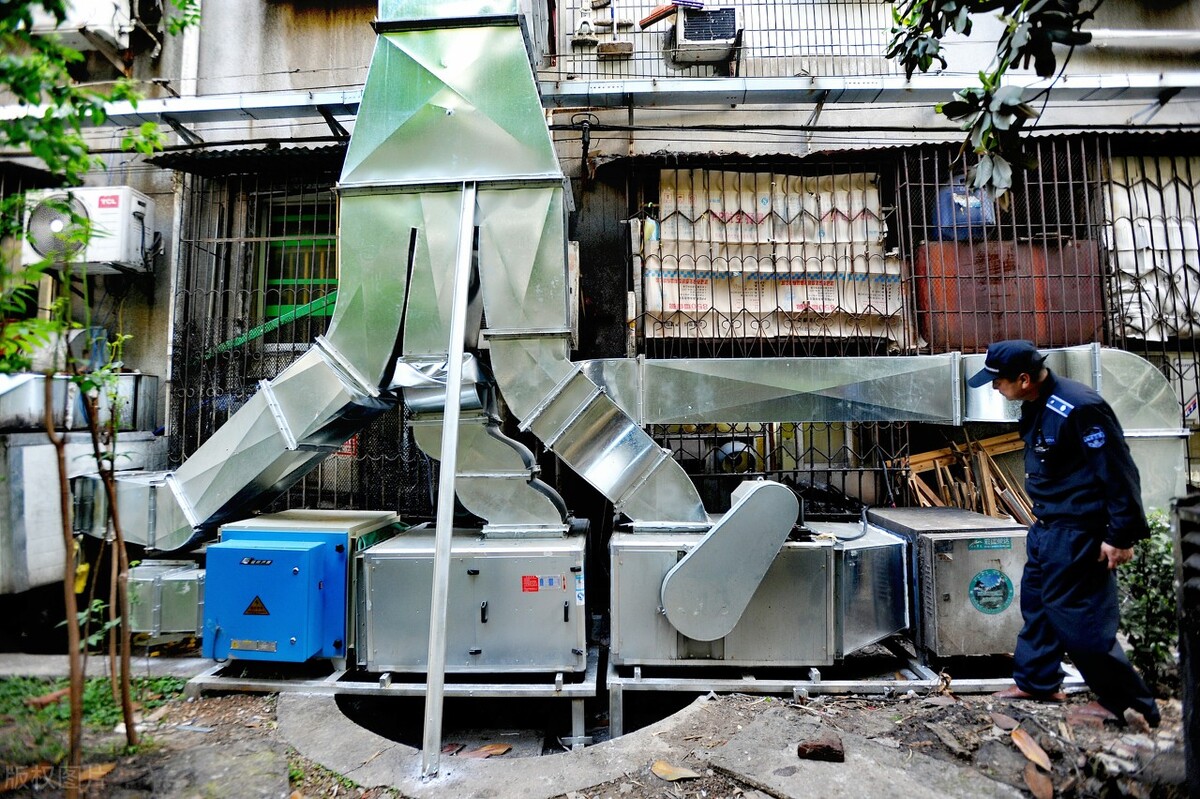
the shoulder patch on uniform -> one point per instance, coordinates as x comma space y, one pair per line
1059, 405
1094, 438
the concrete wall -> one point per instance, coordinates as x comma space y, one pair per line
240, 47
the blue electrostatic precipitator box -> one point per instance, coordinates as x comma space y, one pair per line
279, 584
267, 600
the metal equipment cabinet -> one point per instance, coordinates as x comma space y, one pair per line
870, 586
789, 621
516, 605
166, 597
967, 570
278, 584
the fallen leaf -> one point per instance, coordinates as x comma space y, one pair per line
23, 776
452, 749
947, 738
39, 702
96, 772
1040, 785
942, 701
666, 771
1004, 722
1030, 748
488, 750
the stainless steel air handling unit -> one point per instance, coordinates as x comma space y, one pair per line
166, 598
870, 584
31, 541
967, 570
789, 620
23, 402
517, 605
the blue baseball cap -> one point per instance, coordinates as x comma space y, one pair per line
1008, 359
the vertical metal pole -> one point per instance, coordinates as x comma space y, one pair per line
435, 681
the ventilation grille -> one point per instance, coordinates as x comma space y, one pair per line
715, 25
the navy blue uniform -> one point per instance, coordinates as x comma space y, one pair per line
1085, 490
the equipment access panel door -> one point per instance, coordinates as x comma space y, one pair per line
515, 605
264, 600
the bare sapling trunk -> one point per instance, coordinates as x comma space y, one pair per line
74, 653
114, 567
105, 464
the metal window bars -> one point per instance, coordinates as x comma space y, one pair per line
1098, 244
746, 38
255, 288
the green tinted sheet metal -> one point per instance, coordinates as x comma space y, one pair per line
446, 105
413, 10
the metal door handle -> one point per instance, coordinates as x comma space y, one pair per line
483, 613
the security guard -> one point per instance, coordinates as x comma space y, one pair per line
1086, 496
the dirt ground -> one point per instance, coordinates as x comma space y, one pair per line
1088, 758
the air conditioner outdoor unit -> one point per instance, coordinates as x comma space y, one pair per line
120, 218
87, 22
704, 36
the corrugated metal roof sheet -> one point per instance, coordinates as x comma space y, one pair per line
214, 162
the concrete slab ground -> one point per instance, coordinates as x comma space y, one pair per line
763, 754
13, 664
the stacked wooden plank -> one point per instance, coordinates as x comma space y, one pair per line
967, 476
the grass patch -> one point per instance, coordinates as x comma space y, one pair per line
312, 779
30, 735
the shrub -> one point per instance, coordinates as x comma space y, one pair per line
1148, 608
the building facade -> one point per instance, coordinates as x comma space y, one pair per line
754, 180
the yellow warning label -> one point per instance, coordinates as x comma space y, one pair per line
257, 608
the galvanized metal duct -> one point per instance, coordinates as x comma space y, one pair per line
293, 423
441, 106
461, 104
926, 388
686, 391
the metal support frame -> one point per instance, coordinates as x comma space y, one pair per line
111, 53
387, 684
693, 680
431, 748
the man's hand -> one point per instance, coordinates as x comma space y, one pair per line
1114, 557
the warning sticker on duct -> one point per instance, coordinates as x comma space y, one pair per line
532, 583
991, 591
256, 608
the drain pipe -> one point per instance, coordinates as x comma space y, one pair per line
435, 678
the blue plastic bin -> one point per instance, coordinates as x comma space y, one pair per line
963, 212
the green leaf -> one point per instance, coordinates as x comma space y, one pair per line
956, 109
1001, 173
983, 172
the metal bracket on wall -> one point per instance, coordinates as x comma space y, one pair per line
114, 56
334, 126
188, 135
